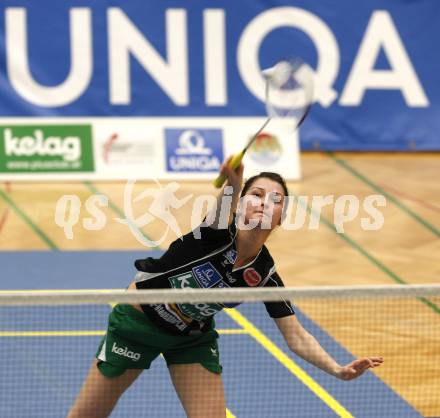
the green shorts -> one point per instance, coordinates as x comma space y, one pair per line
133, 341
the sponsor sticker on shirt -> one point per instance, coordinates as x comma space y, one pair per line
230, 256
231, 279
223, 285
251, 277
199, 311
206, 275
182, 281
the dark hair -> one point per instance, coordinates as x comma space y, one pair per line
267, 175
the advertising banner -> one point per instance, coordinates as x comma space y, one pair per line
375, 68
142, 148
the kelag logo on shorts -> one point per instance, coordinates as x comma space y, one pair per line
46, 148
190, 150
207, 275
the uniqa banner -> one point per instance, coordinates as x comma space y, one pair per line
376, 64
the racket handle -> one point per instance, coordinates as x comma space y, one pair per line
234, 163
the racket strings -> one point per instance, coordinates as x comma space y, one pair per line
289, 91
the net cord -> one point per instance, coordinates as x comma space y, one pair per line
110, 296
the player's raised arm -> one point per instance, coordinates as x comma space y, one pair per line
228, 196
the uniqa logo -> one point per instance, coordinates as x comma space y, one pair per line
69, 147
125, 352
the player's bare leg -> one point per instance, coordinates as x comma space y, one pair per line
200, 391
99, 394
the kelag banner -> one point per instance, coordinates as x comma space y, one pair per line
376, 64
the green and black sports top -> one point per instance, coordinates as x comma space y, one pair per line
204, 258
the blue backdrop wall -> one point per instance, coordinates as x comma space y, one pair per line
377, 63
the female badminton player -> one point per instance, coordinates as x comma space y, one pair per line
228, 255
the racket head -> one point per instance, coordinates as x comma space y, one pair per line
289, 90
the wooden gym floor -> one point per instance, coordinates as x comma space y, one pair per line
405, 250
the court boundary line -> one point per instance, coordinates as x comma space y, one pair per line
289, 364
366, 254
406, 196
355, 173
118, 211
28, 221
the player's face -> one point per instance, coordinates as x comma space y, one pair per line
263, 203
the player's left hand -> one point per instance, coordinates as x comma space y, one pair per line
358, 367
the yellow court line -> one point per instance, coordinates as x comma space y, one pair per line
287, 362
229, 414
86, 333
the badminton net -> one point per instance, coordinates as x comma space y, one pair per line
48, 341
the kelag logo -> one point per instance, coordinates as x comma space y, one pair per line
46, 148
189, 150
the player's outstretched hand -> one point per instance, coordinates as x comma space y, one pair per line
358, 367
234, 177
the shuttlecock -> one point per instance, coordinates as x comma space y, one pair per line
279, 74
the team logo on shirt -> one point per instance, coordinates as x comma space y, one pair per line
223, 285
251, 277
230, 256
207, 275
200, 311
182, 281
